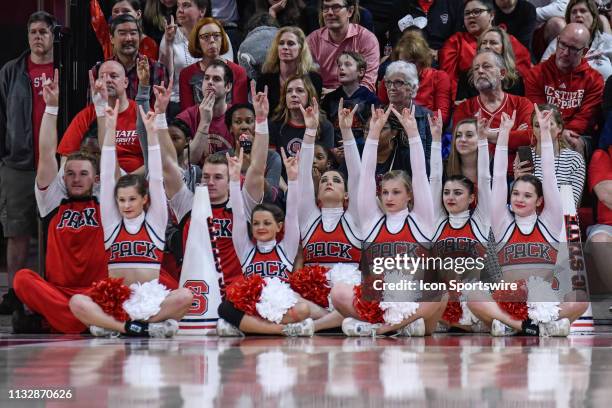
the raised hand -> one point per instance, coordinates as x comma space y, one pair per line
345, 115
291, 165
378, 120
507, 122
436, 125
260, 102
311, 114
408, 121
543, 118
206, 107
234, 164
483, 126
148, 119
142, 70
162, 96
99, 94
170, 30
51, 89
276, 8
111, 115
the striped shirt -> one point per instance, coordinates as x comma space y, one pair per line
569, 169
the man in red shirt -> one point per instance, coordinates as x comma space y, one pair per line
488, 71
75, 255
111, 89
600, 235
568, 82
21, 111
207, 120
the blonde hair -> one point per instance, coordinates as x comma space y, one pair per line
281, 113
404, 178
415, 49
512, 76
453, 167
272, 63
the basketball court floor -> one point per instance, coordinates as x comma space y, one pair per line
443, 370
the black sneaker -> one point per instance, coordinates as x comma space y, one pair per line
28, 323
10, 303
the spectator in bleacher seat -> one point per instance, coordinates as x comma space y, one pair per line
287, 126
156, 16
463, 157
207, 120
599, 53
21, 112
340, 34
181, 136
458, 52
488, 75
110, 87
287, 56
434, 85
125, 37
600, 234
208, 41
286, 12
147, 46
518, 18
570, 167
402, 83
261, 29
567, 81
351, 69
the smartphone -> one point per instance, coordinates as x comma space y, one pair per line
246, 145
524, 154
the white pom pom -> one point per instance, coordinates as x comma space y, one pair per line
145, 300
396, 312
542, 301
344, 273
276, 298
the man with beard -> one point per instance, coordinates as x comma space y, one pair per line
109, 88
125, 38
488, 72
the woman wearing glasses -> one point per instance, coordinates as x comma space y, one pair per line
600, 51
209, 41
459, 50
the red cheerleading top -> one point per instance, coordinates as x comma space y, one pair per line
272, 264
134, 250
339, 245
402, 242
467, 240
537, 249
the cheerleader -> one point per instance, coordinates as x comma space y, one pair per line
330, 234
460, 232
134, 218
527, 246
397, 225
263, 296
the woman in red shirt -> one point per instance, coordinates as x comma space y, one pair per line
434, 85
460, 49
208, 41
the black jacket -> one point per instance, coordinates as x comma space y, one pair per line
16, 133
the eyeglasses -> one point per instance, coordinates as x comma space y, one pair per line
394, 84
335, 8
209, 36
474, 12
570, 49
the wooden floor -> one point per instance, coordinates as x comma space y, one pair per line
324, 371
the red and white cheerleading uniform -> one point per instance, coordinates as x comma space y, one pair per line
265, 264
527, 243
75, 256
396, 233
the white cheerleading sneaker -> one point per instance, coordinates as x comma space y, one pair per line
165, 329
413, 329
358, 328
102, 332
226, 329
499, 329
557, 328
305, 328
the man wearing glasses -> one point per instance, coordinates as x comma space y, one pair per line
339, 34
568, 82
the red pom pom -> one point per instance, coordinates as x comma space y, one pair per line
453, 312
109, 294
368, 311
311, 283
513, 302
244, 293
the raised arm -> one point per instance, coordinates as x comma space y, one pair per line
157, 213
99, 97
291, 238
255, 175
552, 214
165, 46
143, 100
240, 234
199, 144
483, 208
351, 156
368, 209
500, 216
47, 143
307, 206
423, 203
435, 176
108, 167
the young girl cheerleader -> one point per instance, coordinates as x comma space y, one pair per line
262, 302
399, 226
330, 233
134, 217
527, 246
460, 233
